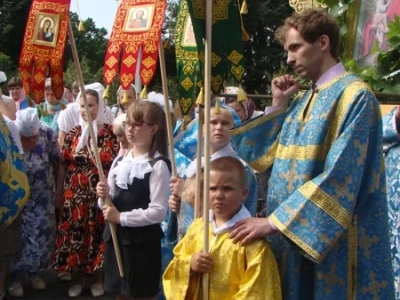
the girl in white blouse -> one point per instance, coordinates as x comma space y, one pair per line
138, 185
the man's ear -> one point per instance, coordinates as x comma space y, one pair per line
324, 43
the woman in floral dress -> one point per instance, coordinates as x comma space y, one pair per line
42, 162
79, 244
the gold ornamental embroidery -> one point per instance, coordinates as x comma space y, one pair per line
185, 103
187, 83
300, 5
235, 57
148, 62
303, 245
321, 199
111, 62
219, 11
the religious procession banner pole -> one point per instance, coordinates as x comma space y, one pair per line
164, 80
93, 138
197, 198
207, 135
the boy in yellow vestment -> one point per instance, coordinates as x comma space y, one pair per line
235, 271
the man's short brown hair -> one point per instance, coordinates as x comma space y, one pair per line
312, 24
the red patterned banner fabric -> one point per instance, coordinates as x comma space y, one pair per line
43, 47
137, 27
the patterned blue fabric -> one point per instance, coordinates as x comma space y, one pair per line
14, 186
38, 217
326, 193
391, 149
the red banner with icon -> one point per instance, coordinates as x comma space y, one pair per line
43, 47
137, 27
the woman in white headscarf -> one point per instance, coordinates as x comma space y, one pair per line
69, 117
42, 160
79, 244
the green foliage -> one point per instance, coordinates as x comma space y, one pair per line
91, 44
13, 16
384, 75
7, 66
263, 55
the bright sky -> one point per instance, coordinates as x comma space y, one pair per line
101, 11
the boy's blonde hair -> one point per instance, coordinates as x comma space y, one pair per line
222, 164
232, 165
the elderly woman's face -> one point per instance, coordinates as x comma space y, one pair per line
131, 98
239, 109
29, 142
93, 107
50, 97
121, 137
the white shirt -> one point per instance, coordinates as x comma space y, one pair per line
136, 167
241, 215
14, 133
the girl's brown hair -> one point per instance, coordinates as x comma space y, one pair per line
151, 114
15, 82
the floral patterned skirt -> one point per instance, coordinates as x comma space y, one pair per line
79, 240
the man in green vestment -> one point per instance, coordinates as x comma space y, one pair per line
326, 204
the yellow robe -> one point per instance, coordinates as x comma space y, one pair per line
239, 272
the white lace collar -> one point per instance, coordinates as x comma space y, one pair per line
224, 151
131, 167
241, 215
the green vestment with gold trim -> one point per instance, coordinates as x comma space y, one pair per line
326, 193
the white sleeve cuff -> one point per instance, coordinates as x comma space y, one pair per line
123, 219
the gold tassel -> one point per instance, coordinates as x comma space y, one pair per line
185, 123
241, 95
244, 10
143, 93
81, 27
125, 98
41, 112
200, 98
106, 94
245, 35
167, 44
217, 110
62, 105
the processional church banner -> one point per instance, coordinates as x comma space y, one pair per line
43, 47
137, 27
187, 62
227, 44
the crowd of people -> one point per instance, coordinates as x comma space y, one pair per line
326, 228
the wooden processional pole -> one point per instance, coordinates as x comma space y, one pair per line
164, 80
207, 134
